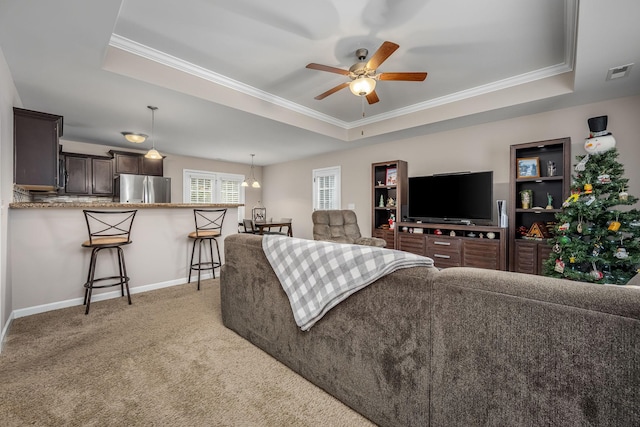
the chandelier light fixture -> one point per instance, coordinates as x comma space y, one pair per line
252, 179
153, 153
136, 138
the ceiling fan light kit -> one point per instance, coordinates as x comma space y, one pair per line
362, 86
363, 74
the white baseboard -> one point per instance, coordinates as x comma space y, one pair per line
5, 330
15, 314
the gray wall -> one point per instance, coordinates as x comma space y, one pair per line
287, 186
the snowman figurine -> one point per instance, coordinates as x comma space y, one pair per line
600, 140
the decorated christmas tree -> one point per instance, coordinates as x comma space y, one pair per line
594, 240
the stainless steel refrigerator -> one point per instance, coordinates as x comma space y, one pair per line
142, 189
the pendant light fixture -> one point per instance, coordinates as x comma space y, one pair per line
153, 153
254, 181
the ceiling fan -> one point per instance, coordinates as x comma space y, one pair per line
363, 74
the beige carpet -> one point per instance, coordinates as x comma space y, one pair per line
166, 360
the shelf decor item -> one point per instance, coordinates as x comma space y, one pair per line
392, 176
525, 198
528, 167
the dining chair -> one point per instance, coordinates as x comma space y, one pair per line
249, 226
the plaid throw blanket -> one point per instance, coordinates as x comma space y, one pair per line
317, 275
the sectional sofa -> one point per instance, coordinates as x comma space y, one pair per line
456, 347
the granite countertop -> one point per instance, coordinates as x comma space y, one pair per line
102, 205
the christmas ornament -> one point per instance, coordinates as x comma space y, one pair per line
452, 233
572, 259
621, 253
590, 200
582, 164
437, 231
595, 273
600, 144
597, 248
579, 226
588, 188
600, 139
556, 248
565, 240
564, 227
623, 196
614, 225
571, 199
559, 266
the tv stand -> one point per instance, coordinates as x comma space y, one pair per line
456, 244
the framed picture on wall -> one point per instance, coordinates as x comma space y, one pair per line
392, 176
529, 167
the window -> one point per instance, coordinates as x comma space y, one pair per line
213, 187
326, 188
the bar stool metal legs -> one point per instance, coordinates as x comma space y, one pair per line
206, 265
208, 227
122, 278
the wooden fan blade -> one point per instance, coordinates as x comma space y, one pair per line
381, 55
328, 68
407, 77
372, 98
331, 91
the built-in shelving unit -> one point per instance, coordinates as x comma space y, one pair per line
528, 254
389, 184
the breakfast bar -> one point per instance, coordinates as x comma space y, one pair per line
49, 266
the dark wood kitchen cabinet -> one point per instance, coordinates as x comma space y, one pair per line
135, 163
36, 140
88, 175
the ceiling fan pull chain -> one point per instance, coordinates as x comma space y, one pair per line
362, 129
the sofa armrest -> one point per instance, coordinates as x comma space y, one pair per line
371, 241
518, 349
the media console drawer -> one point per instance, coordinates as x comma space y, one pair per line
444, 250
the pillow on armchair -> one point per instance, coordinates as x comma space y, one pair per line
341, 226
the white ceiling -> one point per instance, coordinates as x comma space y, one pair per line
229, 77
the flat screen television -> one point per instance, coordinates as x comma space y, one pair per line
452, 198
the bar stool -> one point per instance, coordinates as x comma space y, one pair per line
208, 228
107, 230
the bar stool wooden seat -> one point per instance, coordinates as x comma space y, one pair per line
107, 230
208, 227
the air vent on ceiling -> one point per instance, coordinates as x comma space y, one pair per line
619, 72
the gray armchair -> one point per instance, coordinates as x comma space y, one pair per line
341, 226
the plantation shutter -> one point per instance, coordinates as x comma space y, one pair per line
201, 190
326, 188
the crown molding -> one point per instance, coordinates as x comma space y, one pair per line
571, 20
165, 59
